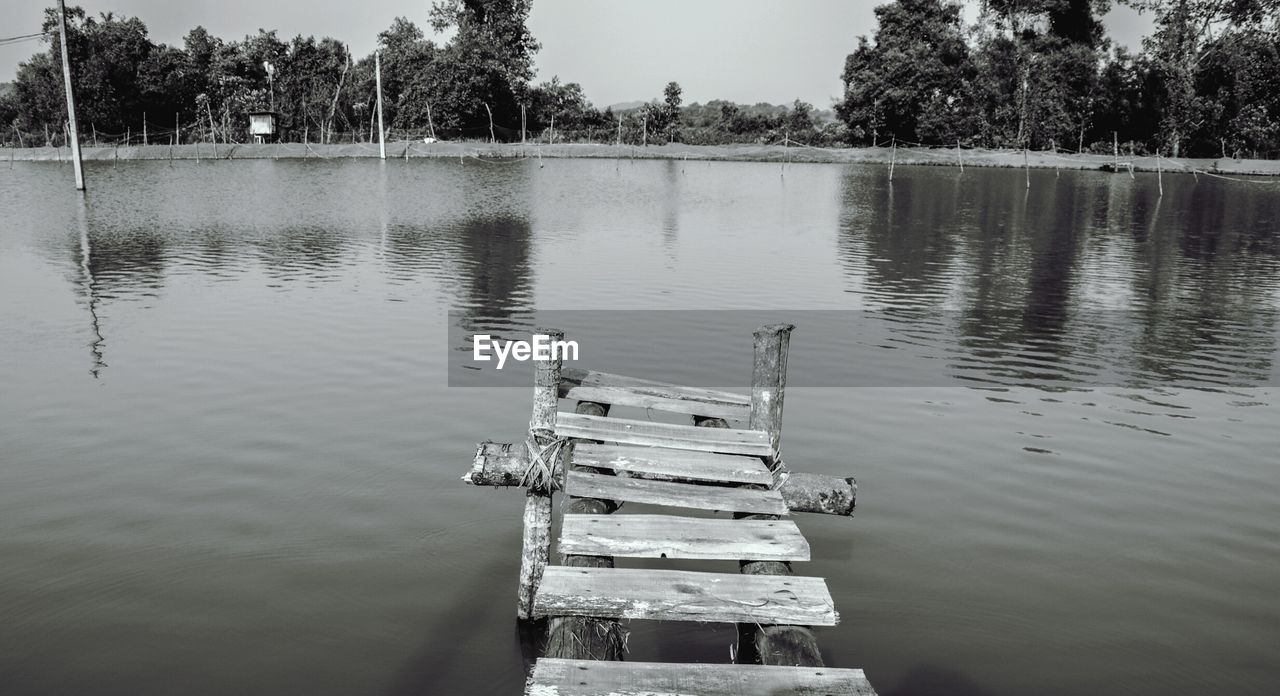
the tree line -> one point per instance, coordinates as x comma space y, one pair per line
1029, 73
1041, 74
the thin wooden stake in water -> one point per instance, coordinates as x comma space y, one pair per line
95, 134
492, 138
960, 155
619, 131
377, 72
1159, 173
1057, 168
537, 506
1115, 151
144, 128
71, 99
1026, 165
893, 156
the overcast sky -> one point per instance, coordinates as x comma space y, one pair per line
743, 50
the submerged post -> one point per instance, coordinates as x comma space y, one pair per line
377, 74
960, 155
544, 455
73, 132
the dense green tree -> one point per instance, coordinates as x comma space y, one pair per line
911, 83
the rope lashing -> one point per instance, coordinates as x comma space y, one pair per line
541, 474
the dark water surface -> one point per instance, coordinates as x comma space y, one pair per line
229, 459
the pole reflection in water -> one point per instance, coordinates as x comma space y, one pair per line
91, 300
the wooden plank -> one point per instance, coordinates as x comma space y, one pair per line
680, 595
686, 495
681, 464
650, 434
552, 677
670, 536
603, 387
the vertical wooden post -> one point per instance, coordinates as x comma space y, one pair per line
553, 128
95, 134
781, 644
144, 128
619, 130
537, 503
1057, 168
1026, 165
431, 124
960, 155
1115, 152
644, 136
177, 129
71, 99
492, 137
768, 383
523, 132
377, 73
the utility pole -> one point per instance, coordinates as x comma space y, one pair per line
71, 100
377, 72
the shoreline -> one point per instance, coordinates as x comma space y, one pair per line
673, 151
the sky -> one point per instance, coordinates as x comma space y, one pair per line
746, 51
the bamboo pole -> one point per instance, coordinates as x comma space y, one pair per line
553, 128
1057, 168
523, 133
431, 124
1131, 155
492, 137
144, 128
95, 134
1115, 151
537, 507
1159, 172
71, 99
893, 157
960, 155
1026, 165
619, 130
644, 137
377, 72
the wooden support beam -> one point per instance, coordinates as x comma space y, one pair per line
498, 464
536, 549
587, 637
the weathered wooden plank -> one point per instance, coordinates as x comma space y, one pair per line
670, 536
681, 464
498, 464
678, 595
651, 434
553, 677
686, 495
603, 387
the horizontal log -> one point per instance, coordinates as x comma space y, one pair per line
498, 464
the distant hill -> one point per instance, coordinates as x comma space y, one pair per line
626, 106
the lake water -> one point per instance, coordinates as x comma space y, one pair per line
230, 457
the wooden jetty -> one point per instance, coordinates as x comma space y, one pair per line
574, 609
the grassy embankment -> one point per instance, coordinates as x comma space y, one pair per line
737, 153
